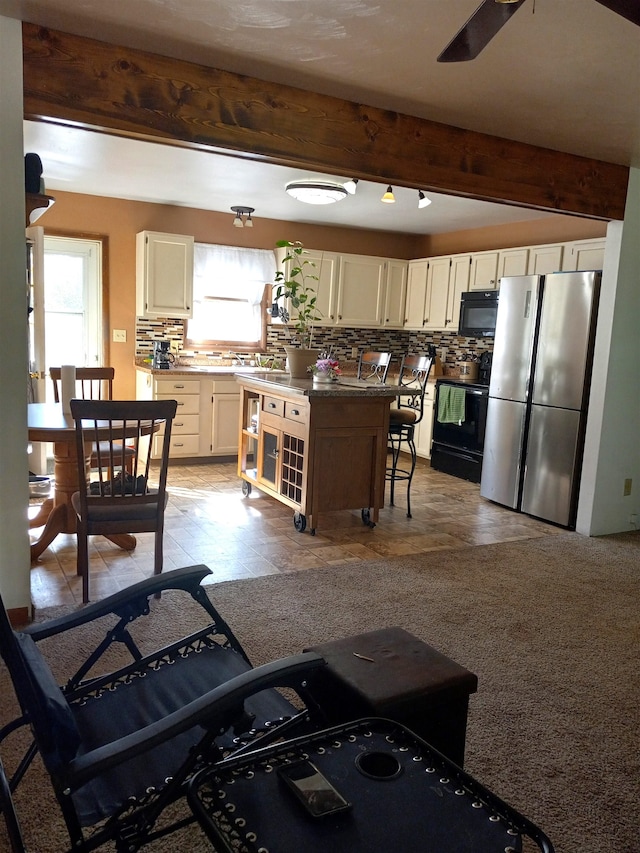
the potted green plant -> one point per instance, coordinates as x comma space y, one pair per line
296, 282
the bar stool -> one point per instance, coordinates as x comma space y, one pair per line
374, 366
414, 374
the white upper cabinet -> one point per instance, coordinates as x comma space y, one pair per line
164, 275
361, 291
513, 262
396, 293
416, 294
435, 316
326, 268
484, 271
584, 255
458, 284
545, 259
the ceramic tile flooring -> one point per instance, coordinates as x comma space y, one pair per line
208, 520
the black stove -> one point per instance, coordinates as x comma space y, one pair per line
458, 442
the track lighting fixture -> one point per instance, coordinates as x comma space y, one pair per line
351, 186
388, 197
242, 217
423, 201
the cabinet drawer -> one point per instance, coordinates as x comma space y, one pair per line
430, 392
185, 424
174, 387
181, 445
295, 412
188, 404
273, 405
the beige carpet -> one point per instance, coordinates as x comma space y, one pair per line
550, 626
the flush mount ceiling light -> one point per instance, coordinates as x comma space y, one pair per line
423, 201
316, 192
388, 197
243, 216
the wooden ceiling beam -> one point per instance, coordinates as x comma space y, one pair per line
72, 79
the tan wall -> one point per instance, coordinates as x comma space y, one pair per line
552, 229
120, 221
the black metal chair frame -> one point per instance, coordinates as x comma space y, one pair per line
414, 374
116, 757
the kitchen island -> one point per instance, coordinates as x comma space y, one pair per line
315, 447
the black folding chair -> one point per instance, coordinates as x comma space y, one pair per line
120, 745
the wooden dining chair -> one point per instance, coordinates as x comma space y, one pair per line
124, 504
374, 366
92, 383
403, 419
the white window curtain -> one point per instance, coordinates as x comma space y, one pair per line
220, 271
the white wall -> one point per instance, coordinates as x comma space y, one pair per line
612, 447
14, 470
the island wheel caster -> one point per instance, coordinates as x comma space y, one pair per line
366, 518
299, 522
246, 488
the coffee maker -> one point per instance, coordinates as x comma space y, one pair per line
162, 357
484, 373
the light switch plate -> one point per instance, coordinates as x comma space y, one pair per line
120, 336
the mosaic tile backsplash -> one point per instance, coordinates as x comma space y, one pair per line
450, 347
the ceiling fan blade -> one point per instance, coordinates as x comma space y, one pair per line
482, 26
629, 9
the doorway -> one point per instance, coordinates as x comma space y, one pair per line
66, 312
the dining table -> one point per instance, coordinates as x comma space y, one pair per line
49, 422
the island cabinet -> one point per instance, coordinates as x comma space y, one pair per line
314, 449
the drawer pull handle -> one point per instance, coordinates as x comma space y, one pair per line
177, 424
178, 386
180, 403
178, 444
272, 405
295, 411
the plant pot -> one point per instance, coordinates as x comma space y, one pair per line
298, 360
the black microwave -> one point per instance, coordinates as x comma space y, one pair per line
478, 312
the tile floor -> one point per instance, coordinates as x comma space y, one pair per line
208, 520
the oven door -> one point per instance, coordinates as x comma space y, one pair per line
469, 434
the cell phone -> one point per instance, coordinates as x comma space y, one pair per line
312, 789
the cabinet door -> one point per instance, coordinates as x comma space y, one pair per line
416, 294
458, 284
225, 424
545, 259
360, 291
437, 292
326, 268
513, 262
484, 271
584, 255
268, 456
396, 293
164, 275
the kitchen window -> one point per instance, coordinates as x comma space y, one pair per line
230, 296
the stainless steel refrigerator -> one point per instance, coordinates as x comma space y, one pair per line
538, 393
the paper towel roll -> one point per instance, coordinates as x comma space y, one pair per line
68, 385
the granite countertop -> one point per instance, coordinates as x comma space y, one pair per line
346, 386
197, 370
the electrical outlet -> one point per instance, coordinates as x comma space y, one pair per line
627, 487
120, 336
633, 520
354, 352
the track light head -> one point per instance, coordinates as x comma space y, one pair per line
388, 197
423, 201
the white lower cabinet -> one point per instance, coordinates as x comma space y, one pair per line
206, 422
424, 430
225, 417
